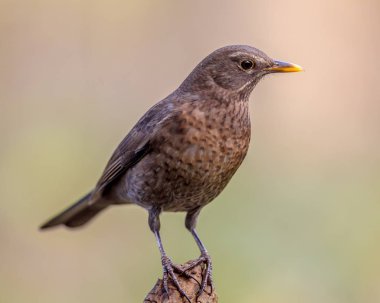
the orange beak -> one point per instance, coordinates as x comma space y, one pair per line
285, 67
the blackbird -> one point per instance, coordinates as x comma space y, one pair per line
182, 153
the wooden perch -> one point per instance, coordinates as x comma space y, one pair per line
190, 284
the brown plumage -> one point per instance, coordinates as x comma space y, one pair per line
182, 153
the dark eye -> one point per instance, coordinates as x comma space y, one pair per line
247, 64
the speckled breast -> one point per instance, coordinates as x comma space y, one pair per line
195, 157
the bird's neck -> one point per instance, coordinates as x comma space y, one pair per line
206, 88
232, 116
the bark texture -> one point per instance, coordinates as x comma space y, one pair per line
190, 284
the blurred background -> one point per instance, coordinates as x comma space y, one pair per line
300, 220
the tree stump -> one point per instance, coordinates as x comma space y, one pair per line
190, 283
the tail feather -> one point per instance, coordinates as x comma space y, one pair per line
76, 215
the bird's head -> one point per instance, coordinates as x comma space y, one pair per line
234, 69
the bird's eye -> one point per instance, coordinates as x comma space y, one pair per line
247, 64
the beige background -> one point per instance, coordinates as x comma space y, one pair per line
300, 222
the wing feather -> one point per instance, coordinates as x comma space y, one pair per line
138, 143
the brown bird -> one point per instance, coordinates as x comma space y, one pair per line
182, 153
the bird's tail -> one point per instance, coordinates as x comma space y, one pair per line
78, 214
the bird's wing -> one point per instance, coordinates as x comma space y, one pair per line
120, 163
138, 143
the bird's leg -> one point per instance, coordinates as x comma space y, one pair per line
167, 265
191, 222
206, 258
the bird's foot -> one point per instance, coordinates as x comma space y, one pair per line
207, 277
169, 268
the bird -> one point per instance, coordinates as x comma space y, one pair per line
184, 150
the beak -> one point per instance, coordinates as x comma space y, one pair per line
284, 67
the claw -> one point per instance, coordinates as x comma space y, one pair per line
168, 269
208, 274
207, 277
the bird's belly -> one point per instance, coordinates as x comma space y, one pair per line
181, 178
